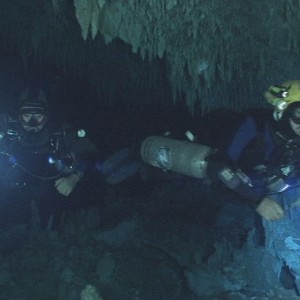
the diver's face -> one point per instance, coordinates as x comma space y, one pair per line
33, 122
295, 126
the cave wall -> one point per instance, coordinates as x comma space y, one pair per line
155, 53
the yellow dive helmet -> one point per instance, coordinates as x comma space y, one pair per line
281, 96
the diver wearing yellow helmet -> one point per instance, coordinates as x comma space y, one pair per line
286, 101
274, 144
260, 163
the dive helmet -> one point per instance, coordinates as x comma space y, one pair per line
33, 109
281, 96
33, 101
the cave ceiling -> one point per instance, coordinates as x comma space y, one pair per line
208, 52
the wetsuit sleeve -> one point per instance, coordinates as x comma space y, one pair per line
244, 135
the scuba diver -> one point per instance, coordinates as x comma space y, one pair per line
254, 178
39, 154
261, 165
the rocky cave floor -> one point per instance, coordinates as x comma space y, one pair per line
180, 240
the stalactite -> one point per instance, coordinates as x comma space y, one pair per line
207, 43
208, 30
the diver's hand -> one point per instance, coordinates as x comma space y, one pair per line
270, 209
66, 185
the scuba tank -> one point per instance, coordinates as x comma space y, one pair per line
190, 159
183, 157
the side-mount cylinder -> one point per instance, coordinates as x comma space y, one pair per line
183, 157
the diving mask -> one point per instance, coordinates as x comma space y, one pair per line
33, 121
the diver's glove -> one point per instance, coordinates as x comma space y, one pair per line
65, 185
270, 209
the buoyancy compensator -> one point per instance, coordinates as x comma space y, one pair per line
283, 169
